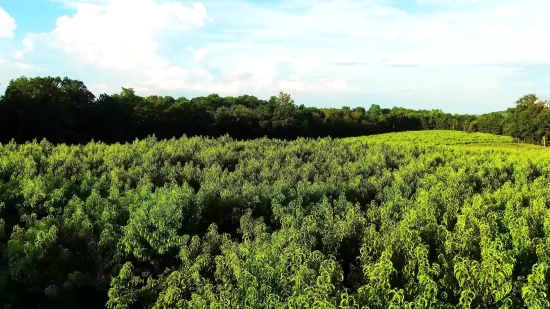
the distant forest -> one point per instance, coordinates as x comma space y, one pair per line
63, 110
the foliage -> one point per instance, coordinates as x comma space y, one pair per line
64, 111
219, 223
437, 138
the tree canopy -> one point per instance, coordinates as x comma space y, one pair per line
387, 221
63, 110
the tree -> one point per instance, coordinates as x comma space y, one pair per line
284, 116
45, 108
489, 123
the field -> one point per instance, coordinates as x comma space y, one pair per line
437, 219
455, 139
438, 138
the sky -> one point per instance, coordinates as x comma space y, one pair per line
461, 56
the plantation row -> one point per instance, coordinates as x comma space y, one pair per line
204, 223
438, 138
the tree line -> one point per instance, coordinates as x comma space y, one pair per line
529, 120
63, 110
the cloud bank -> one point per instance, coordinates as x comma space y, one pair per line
444, 54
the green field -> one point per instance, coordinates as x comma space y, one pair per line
437, 138
432, 219
458, 139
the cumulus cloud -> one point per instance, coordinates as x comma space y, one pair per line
326, 83
124, 35
121, 35
7, 24
200, 54
357, 31
16, 68
436, 50
98, 88
11, 64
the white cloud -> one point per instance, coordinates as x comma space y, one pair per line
326, 83
98, 88
11, 63
121, 35
200, 54
261, 73
28, 43
19, 54
11, 69
7, 24
370, 31
389, 50
125, 36
444, 46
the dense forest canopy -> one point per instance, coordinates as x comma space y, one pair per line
63, 110
378, 222
400, 220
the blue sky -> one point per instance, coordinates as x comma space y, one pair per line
460, 56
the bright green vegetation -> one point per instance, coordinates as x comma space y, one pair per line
437, 137
202, 223
457, 139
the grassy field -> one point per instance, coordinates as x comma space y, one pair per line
437, 137
449, 138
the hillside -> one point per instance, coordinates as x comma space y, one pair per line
388, 221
